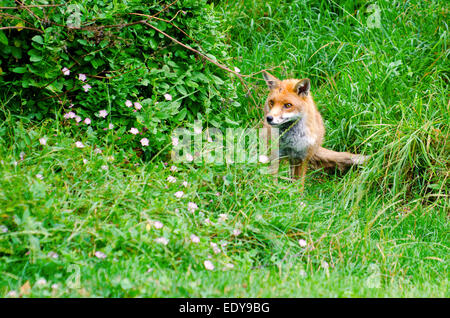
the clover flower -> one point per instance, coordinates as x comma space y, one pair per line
162, 240
179, 194
192, 207
103, 113
87, 87
208, 265
195, 239
144, 142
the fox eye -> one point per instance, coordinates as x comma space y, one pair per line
287, 105
271, 103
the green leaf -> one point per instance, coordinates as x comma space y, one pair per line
16, 52
35, 58
20, 69
35, 55
153, 43
3, 38
181, 115
38, 39
231, 122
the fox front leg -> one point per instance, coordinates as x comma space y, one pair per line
298, 172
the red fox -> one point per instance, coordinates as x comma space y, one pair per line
290, 108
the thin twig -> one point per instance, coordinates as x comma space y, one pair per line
193, 50
20, 27
31, 6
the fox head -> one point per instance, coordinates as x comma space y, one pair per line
288, 100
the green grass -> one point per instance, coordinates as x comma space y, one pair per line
380, 231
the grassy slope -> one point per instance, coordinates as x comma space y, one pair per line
381, 232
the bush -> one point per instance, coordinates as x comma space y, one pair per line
75, 61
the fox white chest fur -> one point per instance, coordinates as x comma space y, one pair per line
295, 140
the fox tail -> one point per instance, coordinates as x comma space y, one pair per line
329, 159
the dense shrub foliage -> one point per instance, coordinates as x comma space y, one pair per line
93, 65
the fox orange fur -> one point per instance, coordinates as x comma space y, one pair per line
290, 108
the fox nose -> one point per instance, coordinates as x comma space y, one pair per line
269, 119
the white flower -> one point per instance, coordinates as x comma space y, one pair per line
55, 286
100, 255
66, 71
85, 161
210, 139
215, 248
40, 176
103, 113
3, 229
223, 217
162, 240
97, 151
208, 265
185, 184
144, 142
197, 130
236, 232
168, 96
43, 141
69, 115
237, 70
192, 207
77, 119
41, 282
208, 221
137, 105
87, 87
189, 157
229, 266
111, 126
173, 168
171, 179
134, 131
179, 194
82, 77
12, 294
195, 239
324, 265
128, 103
174, 141
87, 121
302, 273
157, 225
53, 255
302, 242
263, 159
79, 144
104, 167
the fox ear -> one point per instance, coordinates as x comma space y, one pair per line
271, 80
302, 87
